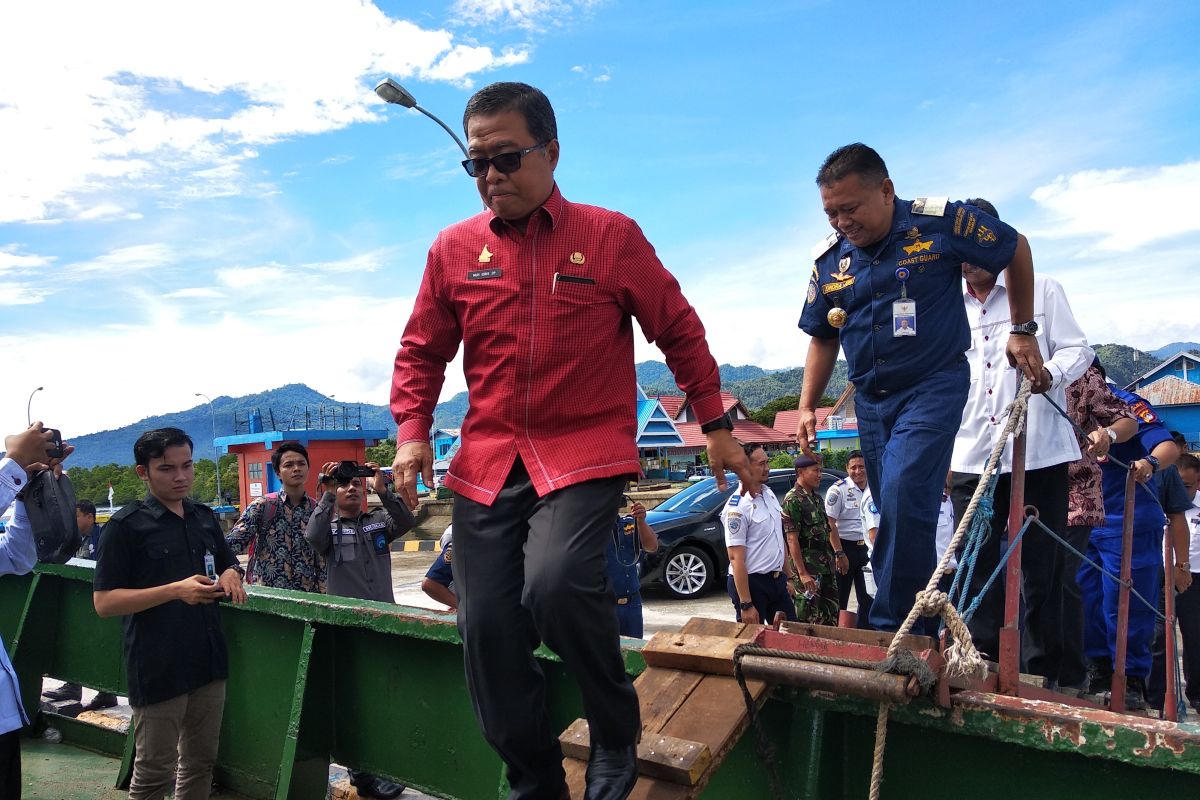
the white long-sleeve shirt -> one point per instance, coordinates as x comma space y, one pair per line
1064, 348
18, 554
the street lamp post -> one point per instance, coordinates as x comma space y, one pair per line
220, 497
29, 406
392, 92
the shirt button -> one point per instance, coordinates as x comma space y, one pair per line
993, 419
876, 261
985, 338
989, 391
984, 311
878, 361
878, 328
878, 295
989, 365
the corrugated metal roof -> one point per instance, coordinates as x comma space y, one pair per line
655, 428
1171, 391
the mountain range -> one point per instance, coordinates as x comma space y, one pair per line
296, 406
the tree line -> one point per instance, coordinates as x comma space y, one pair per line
91, 483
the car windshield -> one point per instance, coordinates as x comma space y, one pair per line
700, 496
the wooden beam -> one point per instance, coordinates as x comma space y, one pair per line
666, 757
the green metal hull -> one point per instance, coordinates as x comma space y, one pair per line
380, 687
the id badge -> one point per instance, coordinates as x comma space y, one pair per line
210, 566
904, 318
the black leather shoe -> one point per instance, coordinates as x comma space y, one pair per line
102, 700
370, 786
611, 773
1135, 694
68, 691
1100, 672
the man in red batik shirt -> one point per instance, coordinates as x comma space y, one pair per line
541, 292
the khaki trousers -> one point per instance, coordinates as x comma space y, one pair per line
177, 745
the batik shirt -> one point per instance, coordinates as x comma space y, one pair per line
804, 515
282, 558
1090, 405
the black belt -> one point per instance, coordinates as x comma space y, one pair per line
858, 542
773, 575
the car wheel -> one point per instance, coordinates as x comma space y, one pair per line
688, 573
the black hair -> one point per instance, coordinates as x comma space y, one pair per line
749, 449
853, 159
497, 98
86, 506
1187, 461
1180, 439
1100, 367
152, 444
287, 447
984, 206
853, 454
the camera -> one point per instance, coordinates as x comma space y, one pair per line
347, 471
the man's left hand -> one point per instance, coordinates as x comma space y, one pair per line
1183, 579
378, 480
231, 582
842, 563
1025, 355
1142, 471
725, 453
637, 510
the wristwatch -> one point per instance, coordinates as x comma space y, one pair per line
1025, 328
746, 606
1184, 565
1112, 435
721, 423
1153, 462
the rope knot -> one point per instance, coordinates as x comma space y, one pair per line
931, 602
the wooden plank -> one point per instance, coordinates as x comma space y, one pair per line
859, 636
660, 694
714, 714
708, 654
706, 626
667, 757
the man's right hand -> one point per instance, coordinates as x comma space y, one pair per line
806, 430
29, 446
198, 589
724, 453
412, 459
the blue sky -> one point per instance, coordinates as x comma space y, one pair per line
209, 197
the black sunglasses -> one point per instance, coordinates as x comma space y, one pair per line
505, 162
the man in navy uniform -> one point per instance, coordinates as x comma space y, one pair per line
631, 536
890, 259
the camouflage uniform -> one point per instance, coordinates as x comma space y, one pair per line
804, 516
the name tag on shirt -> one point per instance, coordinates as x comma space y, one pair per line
904, 318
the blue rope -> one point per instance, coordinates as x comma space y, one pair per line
1012, 547
981, 528
1133, 592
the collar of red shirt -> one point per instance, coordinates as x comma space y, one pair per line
553, 208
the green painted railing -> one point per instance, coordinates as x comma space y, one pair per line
380, 687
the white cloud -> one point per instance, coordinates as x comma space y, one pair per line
173, 338
363, 262
121, 99
1122, 210
251, 277
199, 292
529, 14
134, 258
10, 259
14, 293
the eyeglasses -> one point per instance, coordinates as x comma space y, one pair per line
504, 163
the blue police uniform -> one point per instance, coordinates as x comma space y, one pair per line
622, 554
911, 389
1100, 595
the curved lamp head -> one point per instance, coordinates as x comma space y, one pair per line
391, 92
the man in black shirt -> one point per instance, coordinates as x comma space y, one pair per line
162, 564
